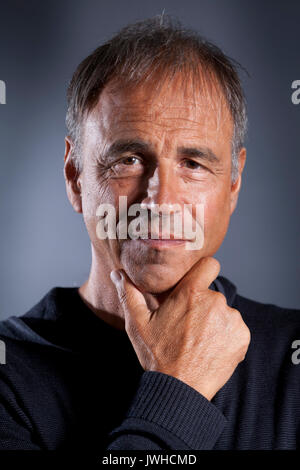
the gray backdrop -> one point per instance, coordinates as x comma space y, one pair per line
43, 242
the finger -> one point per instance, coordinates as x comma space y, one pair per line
201, 275
131, 299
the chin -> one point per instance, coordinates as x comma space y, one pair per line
154, 278
155, 270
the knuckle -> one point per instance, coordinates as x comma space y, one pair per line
217, 264
131, 327
123, 298
211, 264
194, 291
247, 336
210, 260
220, 299
244, 340
235, 312
243, 353
236, 316
243, 330
191, 297
128, 326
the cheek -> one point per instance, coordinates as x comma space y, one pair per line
94, 194
95, 191
214, 197
217, 214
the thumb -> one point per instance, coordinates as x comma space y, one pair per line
132, 301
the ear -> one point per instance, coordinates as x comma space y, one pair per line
72, 177
236, 186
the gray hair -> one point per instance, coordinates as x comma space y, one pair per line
151, 51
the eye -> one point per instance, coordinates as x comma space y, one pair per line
130, 160
193, 170
129, 165
192, 164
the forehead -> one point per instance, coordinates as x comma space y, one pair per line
176, 107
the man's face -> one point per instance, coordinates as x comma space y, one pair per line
179, 153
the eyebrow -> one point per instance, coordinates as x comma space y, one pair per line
203, 153
123, 146
137, 145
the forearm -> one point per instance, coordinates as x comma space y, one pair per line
166, 413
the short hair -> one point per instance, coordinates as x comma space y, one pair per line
159, 44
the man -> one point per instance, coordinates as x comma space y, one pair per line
153, 351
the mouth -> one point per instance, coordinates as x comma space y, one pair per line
161, 243
156, 240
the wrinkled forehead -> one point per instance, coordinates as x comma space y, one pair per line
180, 100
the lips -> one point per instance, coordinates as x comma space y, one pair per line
162, 243
164, 237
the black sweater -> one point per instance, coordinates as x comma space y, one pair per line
71, 380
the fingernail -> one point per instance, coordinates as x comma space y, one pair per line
116, 276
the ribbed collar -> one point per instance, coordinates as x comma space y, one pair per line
62, 319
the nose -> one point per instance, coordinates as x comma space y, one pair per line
162, 191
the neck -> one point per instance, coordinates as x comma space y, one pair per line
100, 295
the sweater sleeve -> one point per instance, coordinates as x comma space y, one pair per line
166, 413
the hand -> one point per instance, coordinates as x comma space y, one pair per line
193, 335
